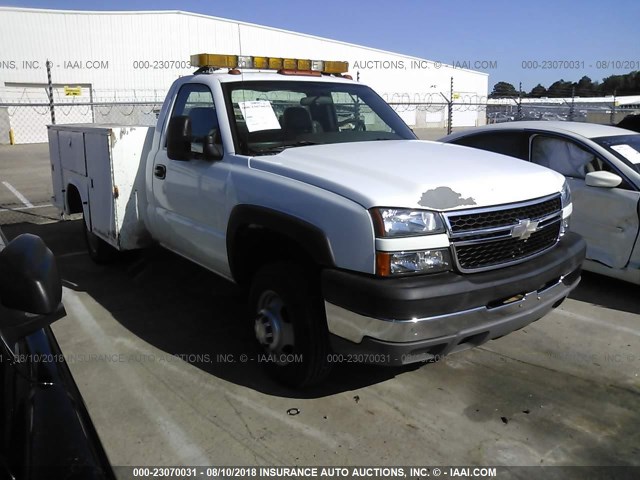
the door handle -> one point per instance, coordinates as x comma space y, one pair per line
160, 171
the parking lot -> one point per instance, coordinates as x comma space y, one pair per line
25, 183
156, 347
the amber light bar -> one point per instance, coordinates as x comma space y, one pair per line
214, 60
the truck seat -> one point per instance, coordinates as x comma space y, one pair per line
296, 120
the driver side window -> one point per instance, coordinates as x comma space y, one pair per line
563, 156
196, 101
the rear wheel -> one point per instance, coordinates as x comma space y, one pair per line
289, 323
99, 250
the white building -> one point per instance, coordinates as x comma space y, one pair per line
135, 56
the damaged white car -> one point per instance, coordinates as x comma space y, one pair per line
602, 166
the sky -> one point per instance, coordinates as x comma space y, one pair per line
530, 42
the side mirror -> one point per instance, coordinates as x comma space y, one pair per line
179, 138
602, 179
210, 149
29, 278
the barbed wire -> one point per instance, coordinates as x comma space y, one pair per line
26, 111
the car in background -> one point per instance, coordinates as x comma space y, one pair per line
46, 430
630, 122
602, 166
499, 117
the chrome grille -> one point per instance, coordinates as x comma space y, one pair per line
508, 216
484, 239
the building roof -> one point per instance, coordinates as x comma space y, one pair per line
227, 20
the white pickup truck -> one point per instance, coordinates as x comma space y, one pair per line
355, 240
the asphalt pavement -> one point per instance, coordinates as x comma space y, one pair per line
156, 346
25, 184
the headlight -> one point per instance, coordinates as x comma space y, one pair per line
565, 199
565, 195
426, 261
395, 222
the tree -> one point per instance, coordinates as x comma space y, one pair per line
628, 84
560, 89
503, 90
538, 91
586, 88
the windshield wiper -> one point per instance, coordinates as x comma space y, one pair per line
279, 148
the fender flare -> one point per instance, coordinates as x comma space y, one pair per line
311, 238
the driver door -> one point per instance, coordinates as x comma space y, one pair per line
607, 218
189, 194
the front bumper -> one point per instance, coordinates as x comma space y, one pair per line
411, 319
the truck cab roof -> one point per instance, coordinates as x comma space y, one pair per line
224, 76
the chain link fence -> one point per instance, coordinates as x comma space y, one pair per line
26, 123
604, 111
26, 111
440, 116
447, 116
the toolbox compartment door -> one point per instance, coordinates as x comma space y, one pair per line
100, 183
72, 154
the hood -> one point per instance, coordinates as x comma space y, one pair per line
413, 174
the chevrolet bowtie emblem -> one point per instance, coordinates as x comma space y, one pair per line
524, 229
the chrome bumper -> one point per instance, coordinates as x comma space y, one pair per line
487, 322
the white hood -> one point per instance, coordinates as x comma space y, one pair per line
413, 174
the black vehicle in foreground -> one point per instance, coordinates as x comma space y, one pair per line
46, 430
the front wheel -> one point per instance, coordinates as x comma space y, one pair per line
289, 323
100, 251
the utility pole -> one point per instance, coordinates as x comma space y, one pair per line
572, 108
51, 109
612, 118
519, 115
450, 110
449, 102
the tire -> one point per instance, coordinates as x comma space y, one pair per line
100, 251
290, 325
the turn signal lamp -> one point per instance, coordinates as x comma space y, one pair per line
214, 60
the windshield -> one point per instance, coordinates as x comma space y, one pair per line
625, 147
267, 117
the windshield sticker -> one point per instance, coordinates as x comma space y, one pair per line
628, 152
259, 115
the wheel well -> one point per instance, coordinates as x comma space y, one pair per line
255, 246
74, 200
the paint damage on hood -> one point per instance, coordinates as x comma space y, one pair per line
443, 198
